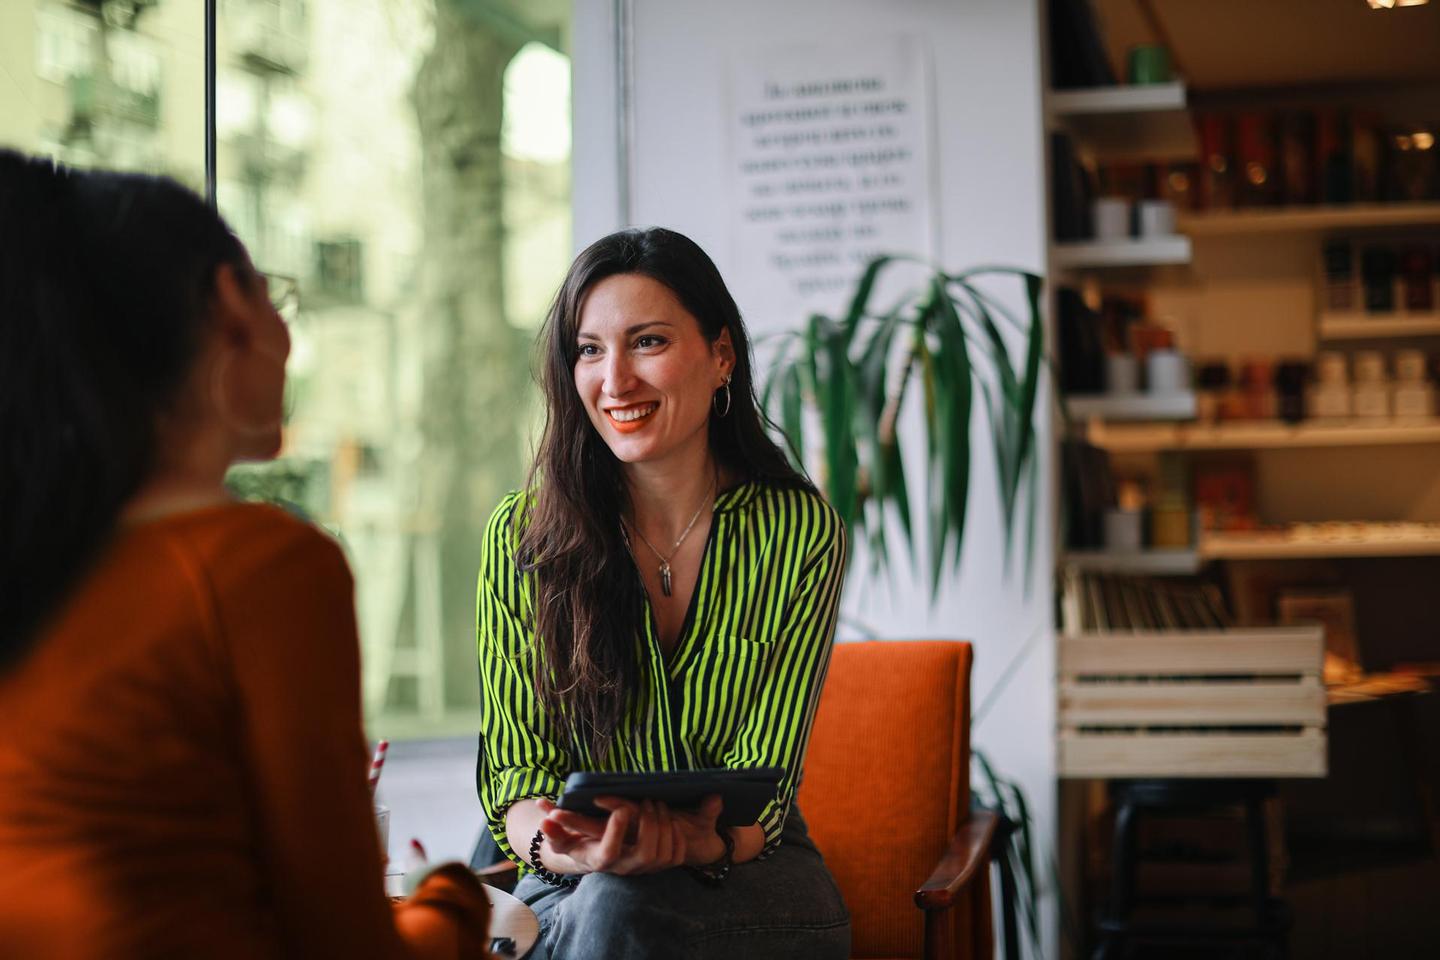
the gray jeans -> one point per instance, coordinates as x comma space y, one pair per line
786, 907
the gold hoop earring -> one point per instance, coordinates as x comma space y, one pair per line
715, 400
222, 407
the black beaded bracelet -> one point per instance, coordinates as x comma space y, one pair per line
714, 873
538, 868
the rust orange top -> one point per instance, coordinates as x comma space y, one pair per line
183, 768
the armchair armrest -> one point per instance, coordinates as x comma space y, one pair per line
503, 875
969, 851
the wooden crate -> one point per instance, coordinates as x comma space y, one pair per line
1230, 703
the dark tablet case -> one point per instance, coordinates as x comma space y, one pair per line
745, 792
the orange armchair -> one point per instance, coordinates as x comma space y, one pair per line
886, 796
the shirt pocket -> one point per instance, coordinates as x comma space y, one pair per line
744, 648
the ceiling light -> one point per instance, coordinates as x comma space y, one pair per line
1392, 4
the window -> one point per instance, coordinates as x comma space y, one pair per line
111, 83
409, 165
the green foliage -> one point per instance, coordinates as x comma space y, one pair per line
1014, 850
292, 484
857, 371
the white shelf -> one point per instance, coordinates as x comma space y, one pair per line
1137, 98
1131, 406
1138, 252
1309, 219
1155, 563
1369, 326
1359, 540
1261, 435
1119, 122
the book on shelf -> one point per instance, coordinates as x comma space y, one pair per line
1102, 602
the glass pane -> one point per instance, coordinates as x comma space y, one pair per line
408, 165
106, 83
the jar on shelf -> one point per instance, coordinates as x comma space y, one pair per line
1258, 390
1212, 384
1291, 378
1414, 395
1339, 276
1416, 272
1331, 397
1371, 396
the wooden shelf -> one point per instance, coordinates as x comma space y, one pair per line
1137, 252
1368, 540
1362, 326
1260, 435
1131, 406
1119, 122
1154, 563
1309, 219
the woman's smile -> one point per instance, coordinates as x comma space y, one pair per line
630, 418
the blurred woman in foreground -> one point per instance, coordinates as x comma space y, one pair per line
182, 765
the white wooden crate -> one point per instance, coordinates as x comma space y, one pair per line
1228, 703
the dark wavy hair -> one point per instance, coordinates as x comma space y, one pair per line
105, 288
587, 590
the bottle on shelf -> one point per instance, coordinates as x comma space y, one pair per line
1330, 399
1339, 275
1416, 271
1291, 378
1414, 396
1377, 272
1371, 396
1258, 390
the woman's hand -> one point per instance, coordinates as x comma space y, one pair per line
703, 845
636, 838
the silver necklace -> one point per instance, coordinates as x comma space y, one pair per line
665, 585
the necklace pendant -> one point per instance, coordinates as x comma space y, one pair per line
665, 578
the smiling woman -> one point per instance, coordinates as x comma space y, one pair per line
703, 645
645, 370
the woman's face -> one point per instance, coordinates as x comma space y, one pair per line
248, 388
644, 370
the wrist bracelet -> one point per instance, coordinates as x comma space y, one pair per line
714, 873
538, 868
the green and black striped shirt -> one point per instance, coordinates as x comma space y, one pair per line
740, 688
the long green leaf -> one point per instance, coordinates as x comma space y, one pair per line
835, 396
1004, 431
887, 470
1030, 384
778, 366
856, 313
792, 418
1032, 489
1014, 435
954, 391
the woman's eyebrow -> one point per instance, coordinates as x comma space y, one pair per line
629, 331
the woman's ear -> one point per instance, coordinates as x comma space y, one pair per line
725, 350
234, 304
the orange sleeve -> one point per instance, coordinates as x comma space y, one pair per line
288, 628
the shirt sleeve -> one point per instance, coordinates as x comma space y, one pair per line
286, 623
520, 757
776, 731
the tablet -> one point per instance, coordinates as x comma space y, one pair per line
745, 792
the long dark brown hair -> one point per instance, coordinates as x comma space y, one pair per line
587, 591
105, 293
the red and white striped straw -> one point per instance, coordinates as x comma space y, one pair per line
377, 763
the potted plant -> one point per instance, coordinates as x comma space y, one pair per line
947, 337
